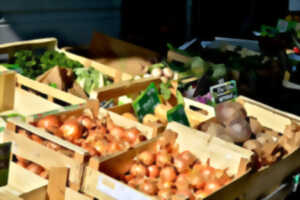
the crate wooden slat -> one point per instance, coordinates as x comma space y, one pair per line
100, 184
48, 158
7, 90
23, 185
50, 92
135, 87
256, 185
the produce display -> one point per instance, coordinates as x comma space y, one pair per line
167, 173
98, 136
233, 125
57, 70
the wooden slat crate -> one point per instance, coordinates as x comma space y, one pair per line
73, 157
118, 54
258, 184
50, 92
99, 182
7, 90
23, 185
136, 87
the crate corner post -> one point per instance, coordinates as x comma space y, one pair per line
7, 90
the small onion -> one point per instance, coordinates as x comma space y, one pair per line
153, 171
147, 157
165, 184
211, 186
239, 130
101, 146
188, 157
180, 164
138, 170
35, 168
44, 174
132, 134
163, 158
186, 193
208, 173
24, 133
149, 187
118, 132
22, 160
86, 122
36, 139
52, 145
165, 194
156, 72
71, 130
22, 164
49, 121
196, 181
168, 174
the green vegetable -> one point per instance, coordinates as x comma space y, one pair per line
53, 85
90, 79
179, 97
198, 66
33, 63
165, 91
219, 71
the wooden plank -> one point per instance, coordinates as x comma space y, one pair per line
174, 56
7, 90
23, 185
102, 44
124, 88
44, 156
74, 195
57, 183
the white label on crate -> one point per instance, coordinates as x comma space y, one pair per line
117, 190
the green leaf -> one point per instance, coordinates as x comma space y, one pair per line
53, 85
165, 91
179, 96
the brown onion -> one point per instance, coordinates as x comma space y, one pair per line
71, 130
168, 174
35, 168
239, 130
52, 145
101, 146
180, 164
36, 139
138, 170
153, 171
211, 186
163, 158
165, 194
24, 133
132, 134
86, 122
208, 173
188, 157
149, 187
147, 157
23, 164
49, 121
118, 132
165, 184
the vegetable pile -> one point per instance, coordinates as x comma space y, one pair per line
233, 125
58, 71
167, 173
33, 167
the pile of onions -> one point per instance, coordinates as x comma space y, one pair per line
98, 136
33, 167
165, 173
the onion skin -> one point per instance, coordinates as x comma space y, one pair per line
147, 158
211, 187
188, 157
163, 158
165, 184
153, 171
149, 187
239, 130
165, 194
101, 146
86, 122
168, 174
35, 168
138, 170
36, 139
132, 134
181, 165
118, 132
208, 173
49, 121
71, 130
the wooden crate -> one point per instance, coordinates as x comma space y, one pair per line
99, 182
136, 87
49, 158
23, 185
118, 54
256, 185
7, 90
52, 93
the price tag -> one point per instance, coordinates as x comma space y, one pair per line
178, 114
223, 92
5, 155
146, 102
